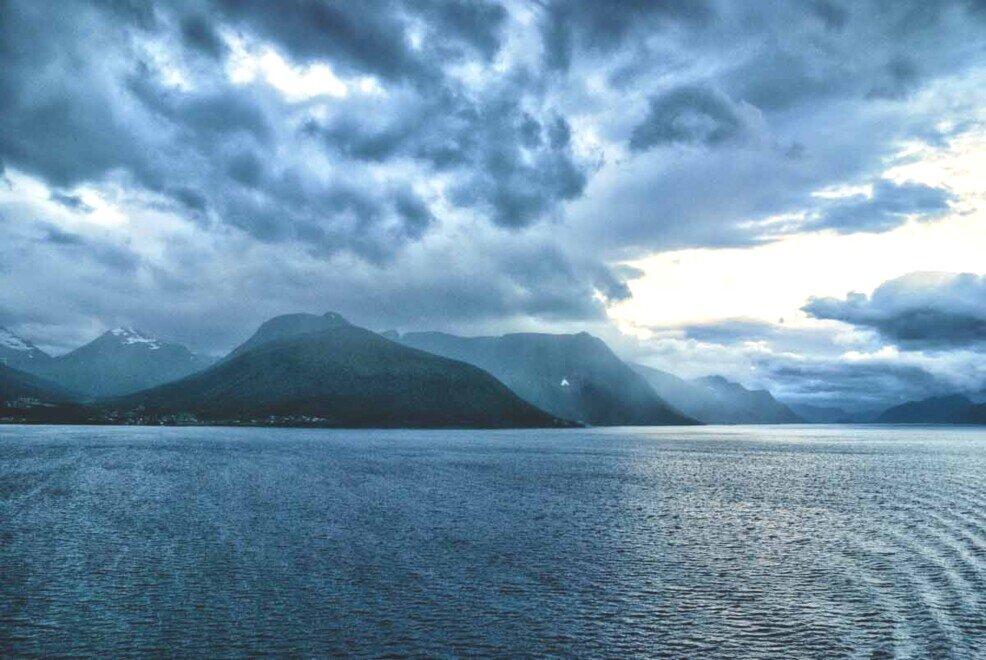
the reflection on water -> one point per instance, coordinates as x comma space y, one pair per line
731, 541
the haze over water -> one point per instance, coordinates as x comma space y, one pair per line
738, 541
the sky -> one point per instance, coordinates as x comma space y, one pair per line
789, 194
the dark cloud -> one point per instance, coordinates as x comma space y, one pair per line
199, 33
73, 202
783, 77
874, 385
374, 223
474, 23
689, 115
511, 166
414, 212
889, 206
246, 168
357, 37
138, 13
191, 199
59, 237
375, 36
917, 311
200, 146
572, 25
62, 114
206, 117
900, 77
109, 256
832, 14
873, 50
477, 166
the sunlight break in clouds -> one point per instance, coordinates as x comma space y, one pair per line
248, 64
772, 281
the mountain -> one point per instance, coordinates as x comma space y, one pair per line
16, 384
751, 406
25, 398
715, 400
953, 409
827, 414
975, 415
18, 352
120, 361
343, 376
575, 377
289, 325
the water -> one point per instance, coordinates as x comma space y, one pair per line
756, 542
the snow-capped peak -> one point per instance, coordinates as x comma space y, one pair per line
11, 341
128, 336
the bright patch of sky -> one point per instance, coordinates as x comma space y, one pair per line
250, 63
94, 207
772, 282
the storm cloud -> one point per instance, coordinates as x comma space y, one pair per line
690, 115
919, 310
191, 167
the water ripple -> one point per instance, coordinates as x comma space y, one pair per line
709, 542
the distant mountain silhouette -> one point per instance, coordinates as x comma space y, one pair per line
25, 397
575, 377
831, 415
975, 415
118, 362
17, 384
18, 352
953, 409
715, 400
343, 376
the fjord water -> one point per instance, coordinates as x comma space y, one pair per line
728, 541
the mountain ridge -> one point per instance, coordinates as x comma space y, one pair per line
344, 376
716, 400
15, 351
949, 409
573, 376
120, 361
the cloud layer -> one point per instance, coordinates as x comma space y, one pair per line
192, 167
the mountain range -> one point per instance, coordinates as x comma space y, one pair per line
953, 409
715, 400
575, 377
337, 375
119, 361
814, 414
305, 369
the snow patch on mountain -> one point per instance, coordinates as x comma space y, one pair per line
13, 342
128, 336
